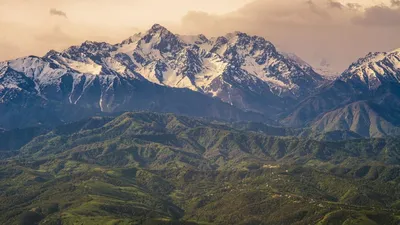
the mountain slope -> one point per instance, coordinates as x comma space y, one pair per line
196, 61
359, 117
365, 80
376, 117
374, 70
342, 107
244, 71
193, 75
37, 91
328, 97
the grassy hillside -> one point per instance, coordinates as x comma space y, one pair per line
148, 168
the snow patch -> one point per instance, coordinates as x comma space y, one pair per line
115, 65
85, 68
213, 68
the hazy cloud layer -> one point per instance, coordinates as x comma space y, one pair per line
21, 40
381, 16
55, 12
395, 3
33, 27
331, 31
316, 30
335, 4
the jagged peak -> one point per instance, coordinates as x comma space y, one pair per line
159, 32
29, 58
221, 40
95, 43
162, 39
90, 47
88, 42
369, 58
374, 54
242, 35
374, 70
132, 39
158, 29
51, 53
236, 34
203, 37
241, 38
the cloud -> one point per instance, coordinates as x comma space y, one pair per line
317, 10
354, 6
380, 16
55, 12
335, 4
395, 3
337, 32
262, 15
20, 39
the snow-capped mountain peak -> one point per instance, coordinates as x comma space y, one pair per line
375, 69
132, 39
234, 67
158, 28
158, 37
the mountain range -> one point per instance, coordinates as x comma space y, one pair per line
235, 77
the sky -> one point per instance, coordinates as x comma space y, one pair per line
333, 31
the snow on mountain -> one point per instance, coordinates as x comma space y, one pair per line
326, 70
235, 67
88, 67
321, 67
254, 56
375, 69
296, 59
194, 62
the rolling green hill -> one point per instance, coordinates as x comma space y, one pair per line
149, 168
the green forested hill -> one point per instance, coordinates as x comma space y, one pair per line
149, 168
